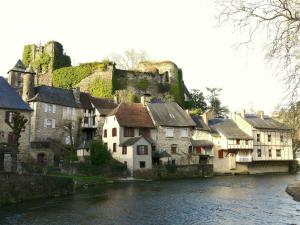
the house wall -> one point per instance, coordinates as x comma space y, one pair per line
24, 147
164, 143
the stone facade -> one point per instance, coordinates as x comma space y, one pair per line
5, 132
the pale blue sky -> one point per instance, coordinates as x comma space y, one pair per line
181, 31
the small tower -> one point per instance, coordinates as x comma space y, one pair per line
15, 76
28, 84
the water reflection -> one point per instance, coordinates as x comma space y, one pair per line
220, 200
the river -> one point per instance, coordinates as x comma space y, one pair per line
218, 200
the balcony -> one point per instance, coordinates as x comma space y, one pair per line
243, 158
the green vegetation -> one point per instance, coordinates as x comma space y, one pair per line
60, 59
68, 77
42, 63
177, 90
100, 88
143, 84
99, 153
27, 55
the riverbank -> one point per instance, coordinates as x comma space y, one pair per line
294, 190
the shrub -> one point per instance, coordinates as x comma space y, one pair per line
99, 153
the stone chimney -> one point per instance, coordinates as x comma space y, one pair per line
243, 113
28, 86
76, 93
261, 114
145, 99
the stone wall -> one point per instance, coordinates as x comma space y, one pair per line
175, 172
25, 136
17, 188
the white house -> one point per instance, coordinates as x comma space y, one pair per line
128, 132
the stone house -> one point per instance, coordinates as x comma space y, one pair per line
272, 142
174, 131
232, 146
128, 132
202, 140
11, 102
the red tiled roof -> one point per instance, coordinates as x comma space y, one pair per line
132, 115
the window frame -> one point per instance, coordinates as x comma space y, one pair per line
142, 150
144, 166
186, 130
169, 129
259, 153
124, 150
114, 132
114, 147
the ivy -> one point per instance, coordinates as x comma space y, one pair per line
69, 77
27, 55
143, 84
42, 63
60, 59
177, 90
100, 88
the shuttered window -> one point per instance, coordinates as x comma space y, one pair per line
221, 154
142, 150
124, 150
105, 133
128, 132
114, 147
114, 132
10, 138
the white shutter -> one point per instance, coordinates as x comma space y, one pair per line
45, 123
54, 108
46, 107
53, 123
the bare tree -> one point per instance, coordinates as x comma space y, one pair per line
280, 21
129, 60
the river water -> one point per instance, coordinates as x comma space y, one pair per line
218, 200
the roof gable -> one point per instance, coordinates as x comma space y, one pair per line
9, 99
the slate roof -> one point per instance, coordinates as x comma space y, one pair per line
132, 115
85, 100
200, 123
170, 114
228, 128
266, 123
133, 140
19, 67
9, 99
202, 143
53, 95
104, 105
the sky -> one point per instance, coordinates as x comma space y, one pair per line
183, 31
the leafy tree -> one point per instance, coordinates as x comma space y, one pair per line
214, 101
197, 102
18, 125
279, 20
99, 153
130, 59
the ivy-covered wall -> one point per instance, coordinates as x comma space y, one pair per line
69, 77
177, 90
27, 55
101, 88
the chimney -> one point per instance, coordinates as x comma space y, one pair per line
76, 93
28, 86
145, 99
243, 113
205, 118
261, 114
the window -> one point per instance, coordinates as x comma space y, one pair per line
238, 141
145, 132
270, 152
258, 152
247, 142
86, 120
281, 138
105, 144
173, 149
269, 138
50, 108
190, 149
124, 150
142, 150
258, 137
69, 112
94, 120
67, 140
114, 132
184, 132
128, 132
10, 138
171, 115
169, 132
142, 164
105, 133
9, 117
49, 123
114, 147
278, 153
221, 154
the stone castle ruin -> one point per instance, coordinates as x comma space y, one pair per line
49, 63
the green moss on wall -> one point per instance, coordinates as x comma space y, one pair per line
68, 77
143, 84
42, 63
27, 55
101, 88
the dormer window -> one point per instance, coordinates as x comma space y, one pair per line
171, 115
